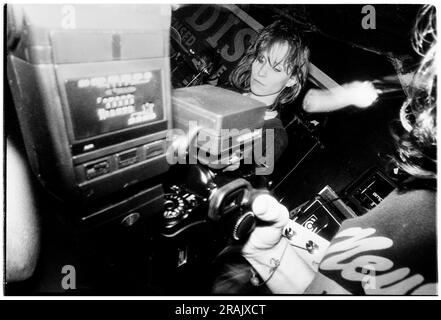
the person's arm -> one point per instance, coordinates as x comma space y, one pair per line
22, 227
282, 269
278, 264
359, 94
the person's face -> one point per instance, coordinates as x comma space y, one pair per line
268, 73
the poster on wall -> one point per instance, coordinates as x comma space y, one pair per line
208, 41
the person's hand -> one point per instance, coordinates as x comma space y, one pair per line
270, 254
357, 93
267, 236
360, 94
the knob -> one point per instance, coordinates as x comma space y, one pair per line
244, 226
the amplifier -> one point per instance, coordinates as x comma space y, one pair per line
369, 190
224, 120
324, 214
319, 217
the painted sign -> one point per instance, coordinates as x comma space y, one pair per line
223, 32
215, 30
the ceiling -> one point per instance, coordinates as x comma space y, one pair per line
393, 23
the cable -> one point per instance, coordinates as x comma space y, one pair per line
255, 280
298, 163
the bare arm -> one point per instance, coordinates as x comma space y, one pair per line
22, 228
359, 94
283, 270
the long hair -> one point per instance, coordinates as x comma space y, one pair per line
296, 60
417, 147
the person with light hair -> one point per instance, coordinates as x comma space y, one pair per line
273, 71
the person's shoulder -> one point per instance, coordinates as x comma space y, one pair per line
274, 123
416, 208
410, 199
